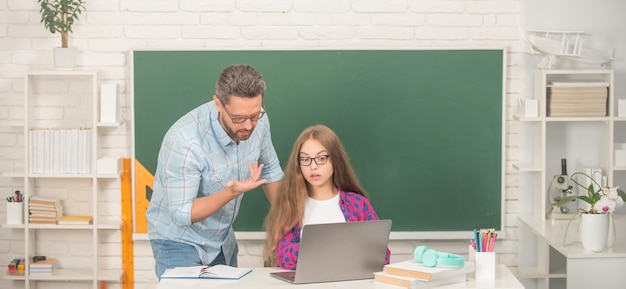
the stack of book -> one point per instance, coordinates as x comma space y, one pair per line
577, 99
43, 267
412, 275
44, 210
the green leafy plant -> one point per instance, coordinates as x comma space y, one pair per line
600, 201
60, 15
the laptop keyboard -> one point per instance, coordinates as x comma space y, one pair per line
287, 275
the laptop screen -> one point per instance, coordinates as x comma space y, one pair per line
342, 251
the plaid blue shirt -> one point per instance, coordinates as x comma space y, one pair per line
197, 158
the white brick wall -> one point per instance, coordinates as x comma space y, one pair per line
110, 28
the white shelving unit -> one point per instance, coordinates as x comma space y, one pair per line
64, 100
544, 141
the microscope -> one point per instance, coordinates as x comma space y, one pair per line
558, 189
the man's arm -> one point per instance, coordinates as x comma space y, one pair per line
271, 190
206, 206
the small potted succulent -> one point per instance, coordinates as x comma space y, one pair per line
59, 16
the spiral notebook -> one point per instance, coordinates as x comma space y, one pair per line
206, 272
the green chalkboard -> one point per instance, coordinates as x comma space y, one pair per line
423, 128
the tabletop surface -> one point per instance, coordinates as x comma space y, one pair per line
259, 278
563, 236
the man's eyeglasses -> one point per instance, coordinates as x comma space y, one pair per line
319, 160
242, 119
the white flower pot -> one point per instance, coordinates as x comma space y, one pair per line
594, 231
64, 58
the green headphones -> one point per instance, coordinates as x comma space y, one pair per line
432, 258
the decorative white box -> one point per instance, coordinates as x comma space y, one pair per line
15, 213
108, 103
621, 108
620, 157
109, 165
528, 107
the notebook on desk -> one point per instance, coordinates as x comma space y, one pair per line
340, 252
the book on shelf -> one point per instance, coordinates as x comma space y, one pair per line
572, 99
415, 283
43, 270
44, 214
44, 201
75, 220
413, 269
49, 263
42, 219
64, 151
43, 273
43, 222
576, 114
43, 207
206, 272
578, 84
578, 93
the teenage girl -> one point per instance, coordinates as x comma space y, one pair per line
319, 186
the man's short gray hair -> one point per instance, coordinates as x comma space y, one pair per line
240, 80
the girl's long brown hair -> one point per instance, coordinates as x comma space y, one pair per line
288, 206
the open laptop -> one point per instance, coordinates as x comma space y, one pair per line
340, 252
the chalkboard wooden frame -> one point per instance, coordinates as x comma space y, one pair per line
427, 95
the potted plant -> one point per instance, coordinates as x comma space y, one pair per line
59, 16
599, 204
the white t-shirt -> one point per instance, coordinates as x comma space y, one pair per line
322, 212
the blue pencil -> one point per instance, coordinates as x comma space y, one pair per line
480, 246
476, 240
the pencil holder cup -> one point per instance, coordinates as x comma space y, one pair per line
15, 213
485, 263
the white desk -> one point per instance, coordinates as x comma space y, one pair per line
583, 269
259, 279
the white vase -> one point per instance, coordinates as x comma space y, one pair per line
64, 58
594, 231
